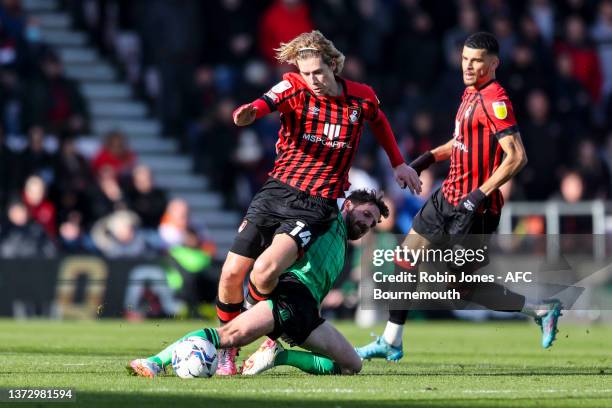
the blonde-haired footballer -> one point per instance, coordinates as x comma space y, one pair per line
322, 119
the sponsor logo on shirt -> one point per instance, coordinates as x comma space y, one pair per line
278, 89
460, 146
331, 131
334, 144
500, 110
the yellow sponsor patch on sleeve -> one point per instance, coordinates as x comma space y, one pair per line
500, 110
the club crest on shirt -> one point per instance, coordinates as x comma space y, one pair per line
242, 226
354, 113
499, 110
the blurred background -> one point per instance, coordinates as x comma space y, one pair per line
123, 178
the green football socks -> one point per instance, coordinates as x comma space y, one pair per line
311, 363
164, 357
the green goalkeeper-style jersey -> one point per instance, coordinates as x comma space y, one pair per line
322, 263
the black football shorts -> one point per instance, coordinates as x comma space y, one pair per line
279, 208
434, 218
295, 310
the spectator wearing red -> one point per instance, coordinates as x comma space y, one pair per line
39, 207
586, 64
281, 22
116, 154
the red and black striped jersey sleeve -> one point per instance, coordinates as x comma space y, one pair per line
319, 135
286, 95
484, 116
368, 97
499, 111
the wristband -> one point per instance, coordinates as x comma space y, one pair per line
422, 162
473, 200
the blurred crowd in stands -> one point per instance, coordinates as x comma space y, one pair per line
52, 198
109, 205
197, 61
194, 62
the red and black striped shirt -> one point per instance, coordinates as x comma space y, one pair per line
319, 136
484, 117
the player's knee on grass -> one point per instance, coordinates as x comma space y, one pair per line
353, 366
348, 360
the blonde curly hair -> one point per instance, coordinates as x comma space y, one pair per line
307, 45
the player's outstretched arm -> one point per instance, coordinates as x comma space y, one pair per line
443, 152
515, 159
246, 114
405, 176
440, 153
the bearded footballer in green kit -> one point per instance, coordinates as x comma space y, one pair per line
292, 312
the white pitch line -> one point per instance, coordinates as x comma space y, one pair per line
543, 391
350, 391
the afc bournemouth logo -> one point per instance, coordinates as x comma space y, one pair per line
242, 226
354, 113
500, 110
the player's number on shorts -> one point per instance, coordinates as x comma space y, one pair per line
304, 235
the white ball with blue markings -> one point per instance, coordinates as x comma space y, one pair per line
194, 357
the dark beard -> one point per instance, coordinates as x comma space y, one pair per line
354, 230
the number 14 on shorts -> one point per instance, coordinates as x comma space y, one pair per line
299, 231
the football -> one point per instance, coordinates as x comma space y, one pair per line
194, 357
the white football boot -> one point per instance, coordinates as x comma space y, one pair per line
143, 368
263, 358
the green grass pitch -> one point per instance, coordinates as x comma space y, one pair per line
445, 364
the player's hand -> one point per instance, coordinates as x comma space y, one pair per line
465, 212
245, 115
407, 177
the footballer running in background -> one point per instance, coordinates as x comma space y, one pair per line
322, 119
486, 151
292, 310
